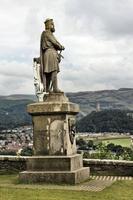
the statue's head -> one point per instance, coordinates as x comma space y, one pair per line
49, 25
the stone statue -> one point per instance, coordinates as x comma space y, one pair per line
49, 57
55, 158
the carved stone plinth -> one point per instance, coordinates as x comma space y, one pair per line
55, 169
53, 125
55, 159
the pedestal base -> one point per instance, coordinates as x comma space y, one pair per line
58, 177
55, 163
55, 169
54, 143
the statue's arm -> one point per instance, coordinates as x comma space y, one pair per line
56, 44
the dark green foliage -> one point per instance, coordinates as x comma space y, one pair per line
115, 152
27, 151
106, 121
90, 143
111, 147
118, 149
13, 113
80, 142
103, 151
85, 145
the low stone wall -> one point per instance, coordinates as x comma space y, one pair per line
98, 167
110, 167
12, 163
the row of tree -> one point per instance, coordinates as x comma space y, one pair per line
13, 114
100, 150
106, 121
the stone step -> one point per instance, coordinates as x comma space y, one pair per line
54, 163
68, 177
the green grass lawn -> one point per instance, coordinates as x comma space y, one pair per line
125, 142
11, 190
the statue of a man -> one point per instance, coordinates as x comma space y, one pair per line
49, 57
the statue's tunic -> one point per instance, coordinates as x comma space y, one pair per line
48, 52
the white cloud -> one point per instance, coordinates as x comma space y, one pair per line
15, 77
97, 36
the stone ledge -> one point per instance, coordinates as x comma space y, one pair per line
109, 167
107, 162
86, 161
13, 158
55, 97
89, 161
52, 108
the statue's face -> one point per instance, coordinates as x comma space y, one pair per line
52, 28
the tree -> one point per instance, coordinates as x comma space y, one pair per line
27, 151
106, 121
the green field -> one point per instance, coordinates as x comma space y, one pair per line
125, 142
10, 189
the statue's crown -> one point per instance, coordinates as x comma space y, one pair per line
47, 20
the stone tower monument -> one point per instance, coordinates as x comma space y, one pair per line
55, 158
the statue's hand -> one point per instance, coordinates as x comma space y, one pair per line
62, 48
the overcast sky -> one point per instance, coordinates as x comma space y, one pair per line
97, 35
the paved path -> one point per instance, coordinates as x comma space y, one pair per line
98, 183
94, 184
112, 178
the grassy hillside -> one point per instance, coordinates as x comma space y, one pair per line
108, 99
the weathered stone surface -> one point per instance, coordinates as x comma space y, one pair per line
56, 97
53, 125
54, 103
52, 108
51, 135
110, 167
68, 177
55, 159
55, 163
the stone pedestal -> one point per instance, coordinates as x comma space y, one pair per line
55, 159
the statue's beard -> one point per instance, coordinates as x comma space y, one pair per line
53, 29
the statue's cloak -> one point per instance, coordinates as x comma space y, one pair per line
49, 46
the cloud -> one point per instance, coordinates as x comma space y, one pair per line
15, 77
97, 36
101, 17
101, 74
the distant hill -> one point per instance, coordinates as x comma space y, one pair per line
108, 99
18, 97
13, 113
13, 107
106, 121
